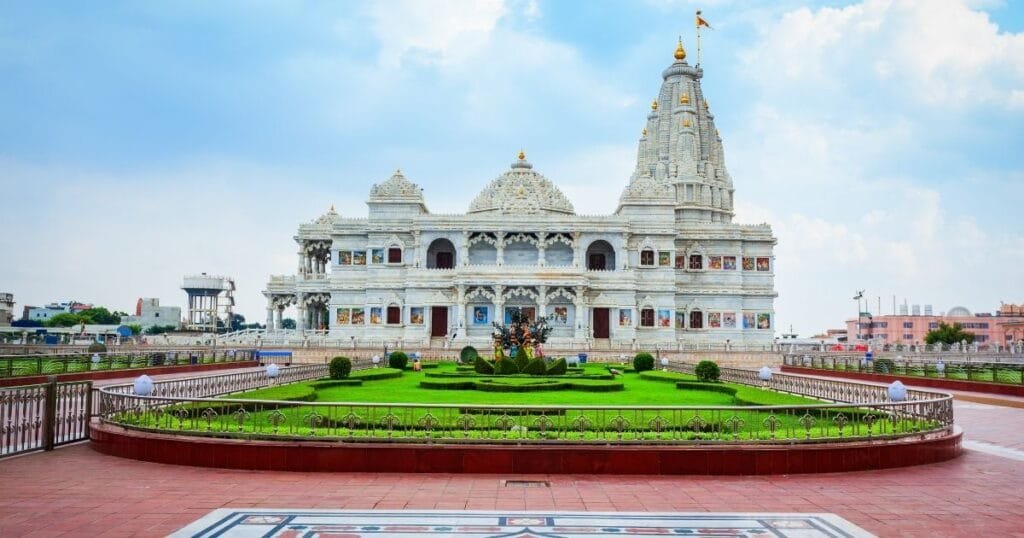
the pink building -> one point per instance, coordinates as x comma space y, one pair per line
1002, 328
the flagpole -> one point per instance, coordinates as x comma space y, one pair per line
698, 40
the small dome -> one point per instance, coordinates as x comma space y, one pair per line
958, 311
521, 190
328, 218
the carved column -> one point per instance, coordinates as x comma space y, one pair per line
500, 245
576, 249
300, 323
460, 300
542, 301
270, 313
279, 319
464, 248
416, 248
499, 303
582, 316
542, 238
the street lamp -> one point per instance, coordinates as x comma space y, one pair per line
857, 297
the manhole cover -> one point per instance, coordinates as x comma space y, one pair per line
527, 484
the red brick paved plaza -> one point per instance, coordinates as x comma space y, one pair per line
75, 491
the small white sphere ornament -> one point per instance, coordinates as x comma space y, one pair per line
143, 385
897, 392
95, 358
273, 370
765, 373
375, 360
664, 362
940, 367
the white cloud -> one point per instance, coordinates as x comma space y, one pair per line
942, 52
440, 32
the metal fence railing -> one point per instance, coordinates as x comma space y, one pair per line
1011, 373
40, 417
862, 412
51, 364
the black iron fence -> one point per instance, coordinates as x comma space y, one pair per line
990, 372
41, 417
51, 364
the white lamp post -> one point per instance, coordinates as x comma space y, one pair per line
143, 385
940, 367
664, 363
273, 371
765, 374
375, 360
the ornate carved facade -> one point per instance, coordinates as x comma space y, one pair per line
668, 265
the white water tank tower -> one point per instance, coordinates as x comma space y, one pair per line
210, 298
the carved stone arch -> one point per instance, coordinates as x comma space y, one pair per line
519, 291
562, 292
695, 248
558, 237
394, 241
647, 244
646, 302
482, 237
521, 237
479, 291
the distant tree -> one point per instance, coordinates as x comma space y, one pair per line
99, 316
287, 323
948, 334
237, 320
65, 319
136, 328
160, 329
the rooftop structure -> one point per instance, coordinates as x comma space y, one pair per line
6, 308
210, 299
1004, 327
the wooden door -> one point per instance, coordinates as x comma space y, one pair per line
596, 262
439, 321
444, 260
601, 322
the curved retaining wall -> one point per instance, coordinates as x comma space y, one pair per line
547, 459
125, 373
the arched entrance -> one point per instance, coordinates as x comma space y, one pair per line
441, 254
600, 256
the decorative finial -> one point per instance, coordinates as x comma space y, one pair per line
332, 208
644, 132
707, 105
398, 171
522, 155
680, 51
684, 99
686, 123
654, 104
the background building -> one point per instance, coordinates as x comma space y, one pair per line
6, 308
149, 313
44, 313
912, 324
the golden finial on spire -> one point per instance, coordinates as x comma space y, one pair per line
680, 53
686, 123
644, 132
332, 208
654, 104
684, 99
522, 155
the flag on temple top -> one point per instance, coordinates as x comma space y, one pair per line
702, 22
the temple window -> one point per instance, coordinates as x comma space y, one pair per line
394, 315
647, 257
696, 319
647, 317
696, 262
394, 255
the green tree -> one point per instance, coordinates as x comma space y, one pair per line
99, 316
237, 321
65, 319
948, 334
136, 328
287, 323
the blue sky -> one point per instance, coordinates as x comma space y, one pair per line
143, 141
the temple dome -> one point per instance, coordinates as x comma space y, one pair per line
521, 190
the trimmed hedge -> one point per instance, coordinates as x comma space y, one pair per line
481, 366
376, 373
521, 359
884, 366
707, 371
468, 354
97, 347
505, 367
495, 385
643, 361
658, 375
447, 384
559, 367
711, 387
535, 367
398, 360
340, 367
331, 383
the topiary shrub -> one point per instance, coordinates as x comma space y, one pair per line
558, 367
506, 367
97, 347
481, 366
468, 354
398, 360
884, 366
535, 367
521, 359
340, 367
707, 371
643, 361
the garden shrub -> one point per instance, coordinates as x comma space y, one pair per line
97, 347
468, 354
535, 367
521, 359
558, 367
707, 371
448, 384
340, 367
643, 361
505, 367
712, 387
398, 360
884, 366
481, 366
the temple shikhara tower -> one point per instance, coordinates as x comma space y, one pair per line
668, 267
